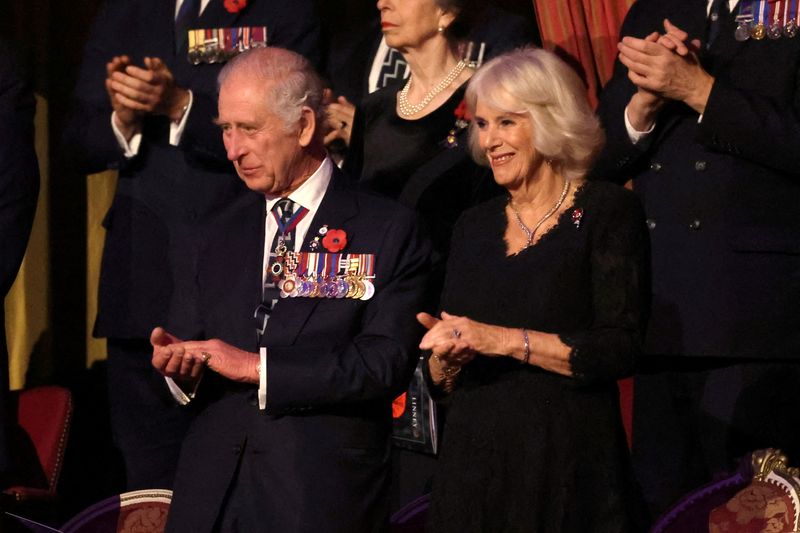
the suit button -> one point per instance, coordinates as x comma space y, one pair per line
655, 166
237, 450
700, 165
651, 224
694, 224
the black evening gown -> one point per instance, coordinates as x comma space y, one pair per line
526, 450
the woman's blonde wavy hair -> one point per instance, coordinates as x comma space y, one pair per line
566, 131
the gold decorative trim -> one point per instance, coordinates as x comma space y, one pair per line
773, 460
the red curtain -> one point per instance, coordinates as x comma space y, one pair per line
585, 33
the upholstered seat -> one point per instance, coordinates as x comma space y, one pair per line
140, 510
761, 497
44, 415
769, 503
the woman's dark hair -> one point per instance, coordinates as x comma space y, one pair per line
467, 14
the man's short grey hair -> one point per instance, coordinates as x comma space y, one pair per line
534, 81
291, 80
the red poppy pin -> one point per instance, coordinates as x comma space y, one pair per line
335, 240
463, 116
577, 216
462, 112
234, 6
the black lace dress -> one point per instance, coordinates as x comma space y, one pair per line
525, 449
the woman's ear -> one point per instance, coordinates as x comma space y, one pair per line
446, 18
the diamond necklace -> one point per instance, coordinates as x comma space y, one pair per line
531, 232
408, 110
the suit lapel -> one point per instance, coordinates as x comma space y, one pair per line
246, 257
337, 207
291, 315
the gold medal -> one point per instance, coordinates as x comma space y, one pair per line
352, 287
360, 289
759, 31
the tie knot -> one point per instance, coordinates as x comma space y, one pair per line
284, 208
719, 8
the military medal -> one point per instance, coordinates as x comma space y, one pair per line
790, 18
216, 45
775, 30
327, 275
758, 30
744, 20
369, 290
369, 272
341, 288
288, 286
742, 32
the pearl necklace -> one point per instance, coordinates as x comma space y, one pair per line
408, 110
531, 232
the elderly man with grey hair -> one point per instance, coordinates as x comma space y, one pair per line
306, 291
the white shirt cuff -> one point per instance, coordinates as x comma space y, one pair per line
176, 130
634, 135
262, 379
181, 397
131, 148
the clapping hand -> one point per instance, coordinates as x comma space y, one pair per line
137, 91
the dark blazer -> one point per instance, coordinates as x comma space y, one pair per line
333, 368
19, 188
721, 194
164, 191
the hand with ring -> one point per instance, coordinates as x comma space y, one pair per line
340, 115
458, 339
171, 359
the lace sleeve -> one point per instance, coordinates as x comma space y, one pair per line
620, 294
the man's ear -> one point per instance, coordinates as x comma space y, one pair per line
308, 126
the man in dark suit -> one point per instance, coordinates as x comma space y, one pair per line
19, 188
172, 175
294, 435
708, 128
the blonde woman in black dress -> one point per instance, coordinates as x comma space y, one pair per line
543, 309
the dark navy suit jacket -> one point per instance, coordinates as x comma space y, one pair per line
19, 187
333, 368
721, 194
164, 192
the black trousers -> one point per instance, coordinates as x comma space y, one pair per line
695, 418
148, 425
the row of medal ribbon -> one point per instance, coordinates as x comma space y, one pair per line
767, 18
217, 45
324, 275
